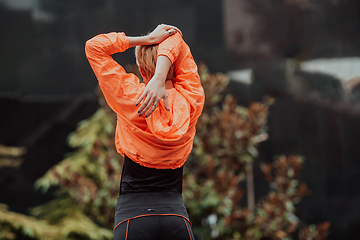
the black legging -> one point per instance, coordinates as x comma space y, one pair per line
154, 227
153, 215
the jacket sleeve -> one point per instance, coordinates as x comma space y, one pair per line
117, 85
187, 80
171, 47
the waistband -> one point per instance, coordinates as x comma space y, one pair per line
131, 200
134, 205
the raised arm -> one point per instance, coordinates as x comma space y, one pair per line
114, 82
155, 89
113, 79
160, 33
98, 51
100, 48
187, 80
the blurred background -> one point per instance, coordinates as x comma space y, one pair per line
305, 54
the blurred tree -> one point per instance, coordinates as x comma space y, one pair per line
90, 176
87, 181
11, 156
224, 149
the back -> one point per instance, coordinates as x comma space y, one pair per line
164, 139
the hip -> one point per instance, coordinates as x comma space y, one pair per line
135, 205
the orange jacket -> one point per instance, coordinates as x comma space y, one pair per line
165, 138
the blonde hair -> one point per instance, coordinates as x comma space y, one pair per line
146, 56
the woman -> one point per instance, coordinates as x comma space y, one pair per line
156, 138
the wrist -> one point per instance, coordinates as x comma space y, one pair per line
150, 40
159, 79
141, 40
159, 76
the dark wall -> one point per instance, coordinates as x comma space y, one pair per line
42, 128
263, 31
42, 47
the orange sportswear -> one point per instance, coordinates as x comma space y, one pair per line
164, 139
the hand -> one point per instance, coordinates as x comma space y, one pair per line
161, 32
155, 89
154, 92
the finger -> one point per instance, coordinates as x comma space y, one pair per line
178, 30
174, 29
171, 31
148, 105
154, 106
166, 102
144, 105
141, 98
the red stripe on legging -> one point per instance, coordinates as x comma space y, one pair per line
187, 229
127, 229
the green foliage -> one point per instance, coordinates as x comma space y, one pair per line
75, 225
11, 156
227, 139
90, 176
87, 183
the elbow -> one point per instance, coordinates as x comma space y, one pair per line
91, 47
93, 43
88, 45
